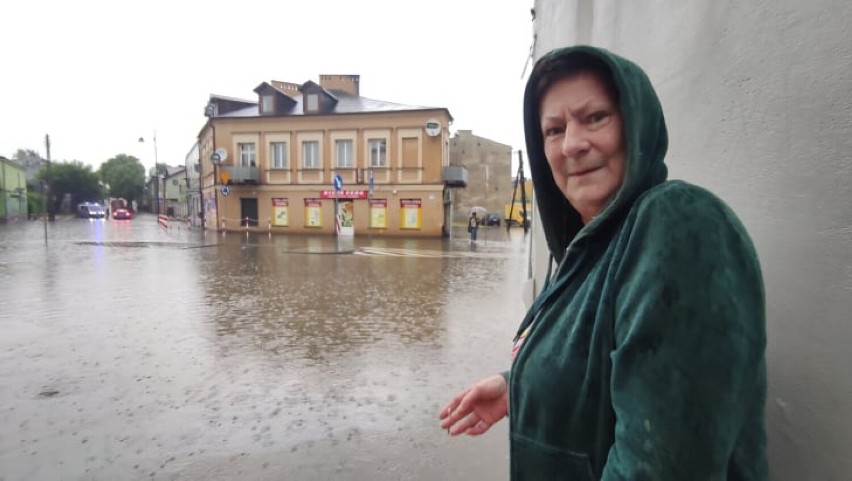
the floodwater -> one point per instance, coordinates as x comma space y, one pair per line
129, 351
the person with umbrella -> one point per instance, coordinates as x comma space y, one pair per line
472, 226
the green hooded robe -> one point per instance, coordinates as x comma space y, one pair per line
644, 358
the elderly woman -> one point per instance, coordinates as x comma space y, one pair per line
643, 356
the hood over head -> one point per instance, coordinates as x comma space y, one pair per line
645, 140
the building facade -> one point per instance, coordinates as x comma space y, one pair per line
489, 175
13, 191
191, 190
173, 192
315, 158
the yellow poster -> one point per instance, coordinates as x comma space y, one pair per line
410, 213
313, 213
280, 214
379, 213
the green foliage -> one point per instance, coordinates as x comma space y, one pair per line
26, 154
125, 176
35, 203
74, 178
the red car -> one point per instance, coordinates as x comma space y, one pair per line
122, 214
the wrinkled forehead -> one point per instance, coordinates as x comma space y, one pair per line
552, 70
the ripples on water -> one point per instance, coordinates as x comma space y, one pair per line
127, 349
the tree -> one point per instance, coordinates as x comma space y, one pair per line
125, 176
26, 154
73, 178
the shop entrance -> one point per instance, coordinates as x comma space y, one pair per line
248, 209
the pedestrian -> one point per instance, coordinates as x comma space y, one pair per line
642, 358
472, 226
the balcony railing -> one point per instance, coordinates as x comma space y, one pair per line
242, 175
455, 176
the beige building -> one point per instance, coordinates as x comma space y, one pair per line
271, 163
489, 175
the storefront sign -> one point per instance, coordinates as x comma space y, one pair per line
343, 194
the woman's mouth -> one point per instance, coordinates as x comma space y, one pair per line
582, 172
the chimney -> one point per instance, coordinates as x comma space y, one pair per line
341, 83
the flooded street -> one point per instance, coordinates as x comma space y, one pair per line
132, 352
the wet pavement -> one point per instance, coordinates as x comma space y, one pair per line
132, 352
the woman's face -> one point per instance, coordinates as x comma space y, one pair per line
583, 142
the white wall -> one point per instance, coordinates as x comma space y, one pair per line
758, 101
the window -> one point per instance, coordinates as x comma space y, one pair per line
247, 154
310, 154
344, 153
378, 153
278, 151
312, 103
267, 104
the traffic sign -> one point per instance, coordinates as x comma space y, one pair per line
338, 182
226, 190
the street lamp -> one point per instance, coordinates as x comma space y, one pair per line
156, 172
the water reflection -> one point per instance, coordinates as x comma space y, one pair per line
128, 351
309, 299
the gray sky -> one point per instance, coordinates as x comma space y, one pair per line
97, 75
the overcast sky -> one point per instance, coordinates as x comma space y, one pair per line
97, 75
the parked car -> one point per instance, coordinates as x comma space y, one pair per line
492, 218
90, 210
122, 214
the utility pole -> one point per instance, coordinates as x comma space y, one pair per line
520, 180
523, 182
47, 209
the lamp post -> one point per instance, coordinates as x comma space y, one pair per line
156, 172
155, 199
163, 178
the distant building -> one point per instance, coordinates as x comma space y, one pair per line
13, 191
191, 189
277, 157
489, 174
163, 194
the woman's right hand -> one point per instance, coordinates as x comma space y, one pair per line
477, 408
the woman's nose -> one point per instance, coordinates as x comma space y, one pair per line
574, 142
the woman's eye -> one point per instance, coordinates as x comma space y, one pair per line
552, 131
597, 118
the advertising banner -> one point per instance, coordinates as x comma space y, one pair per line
379, 213
280, 214
410, 213
313, 213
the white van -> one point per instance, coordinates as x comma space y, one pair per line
90, 210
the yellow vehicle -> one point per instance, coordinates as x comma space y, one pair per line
513, 214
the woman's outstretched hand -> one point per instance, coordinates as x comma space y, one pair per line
477, 408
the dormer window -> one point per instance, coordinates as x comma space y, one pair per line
312, 103
267, 104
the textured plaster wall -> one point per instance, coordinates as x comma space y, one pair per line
758, 100
489, 180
